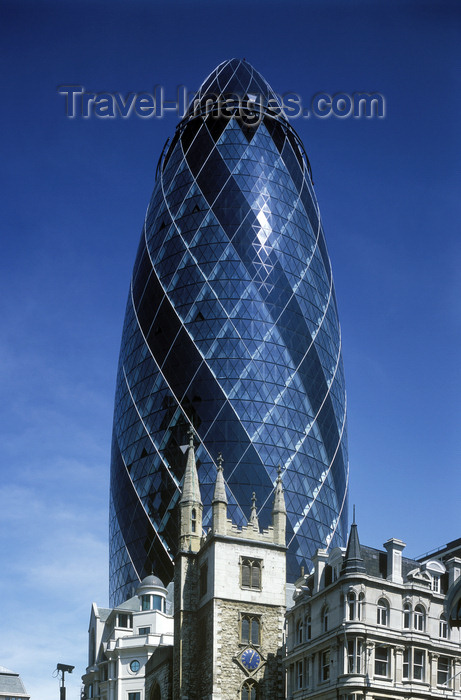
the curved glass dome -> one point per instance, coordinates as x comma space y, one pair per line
231, 325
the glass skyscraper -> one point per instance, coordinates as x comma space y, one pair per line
231, 325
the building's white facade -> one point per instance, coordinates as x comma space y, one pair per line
122, 640
373, 624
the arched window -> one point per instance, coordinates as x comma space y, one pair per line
382, 613
155, 693
360, 606
194, 520
299, 632
250, 629
251, 573
443, 627
324, 618
249, 690
407, 616
419, 618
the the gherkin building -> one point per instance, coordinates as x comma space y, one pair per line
231, 325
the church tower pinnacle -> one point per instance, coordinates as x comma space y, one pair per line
190, 503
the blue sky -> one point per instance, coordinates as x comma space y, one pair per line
74, 197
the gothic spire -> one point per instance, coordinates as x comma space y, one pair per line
191, 487
253, 517
353, 561
279, 499
219, 495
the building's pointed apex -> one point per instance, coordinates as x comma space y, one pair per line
253, 517
353, 561
279, 500
191, 487
219, 495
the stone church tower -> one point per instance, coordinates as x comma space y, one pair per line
229, 589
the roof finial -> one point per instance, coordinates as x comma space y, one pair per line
191, 434
279, 499
353, 515
253, 516
191, 486
220, 488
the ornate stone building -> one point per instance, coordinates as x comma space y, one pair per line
229, 612
365, 624
122, 640
372, 624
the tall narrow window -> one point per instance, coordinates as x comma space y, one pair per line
299, 674
443, 671
194, 520
382, 612
419, 618
419, 657
299, 632
406, 663
443, 627
351, 605
325, 665
354, 656
308, 626
324, 618
250, 629
382, 661
407, 616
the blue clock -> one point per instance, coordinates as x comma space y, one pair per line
250, 659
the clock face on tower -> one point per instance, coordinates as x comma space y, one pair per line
250, 659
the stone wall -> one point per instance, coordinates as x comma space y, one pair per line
228, 669
159, 675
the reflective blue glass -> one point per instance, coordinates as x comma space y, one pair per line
231, 324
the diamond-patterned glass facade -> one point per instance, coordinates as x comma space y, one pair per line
231, 324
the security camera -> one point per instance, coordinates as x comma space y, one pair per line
66, 668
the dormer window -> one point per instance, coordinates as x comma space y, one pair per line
435, 583
125, 620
